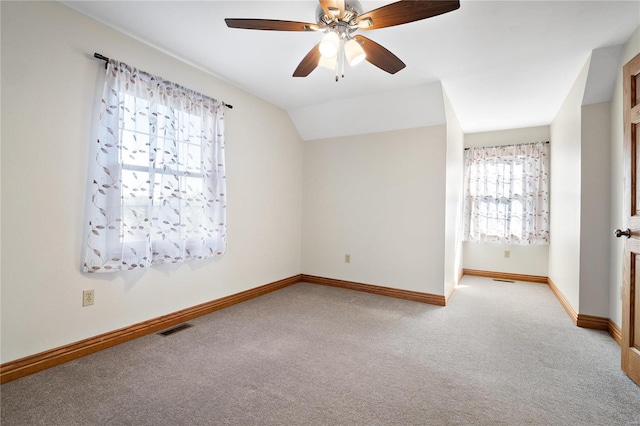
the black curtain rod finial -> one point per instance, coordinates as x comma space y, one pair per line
102, 58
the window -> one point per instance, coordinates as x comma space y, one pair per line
158, 184
176, 167
507, 194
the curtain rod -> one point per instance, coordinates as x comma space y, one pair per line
106, 61
498, 146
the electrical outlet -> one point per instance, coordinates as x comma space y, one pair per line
507, 254
87, 297
347, 258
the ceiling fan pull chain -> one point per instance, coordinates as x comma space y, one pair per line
339, 60
342, 61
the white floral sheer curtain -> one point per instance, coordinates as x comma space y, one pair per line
507, 194
157, 175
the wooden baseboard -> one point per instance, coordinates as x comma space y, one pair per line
22, 367
593, 322
601, 323
563, 301
615, 331
432, 299
449, 294
506, 276
587, 321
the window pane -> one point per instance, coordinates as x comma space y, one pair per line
135, 114
517, 216
518, 173
135, 148
194, 207
166, 153
135, 193
193, 156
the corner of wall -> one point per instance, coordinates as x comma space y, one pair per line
454, 197
565, 192
595, 221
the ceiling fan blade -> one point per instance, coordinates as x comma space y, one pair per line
308, 63
333, 8
270, 24
403, 12
379, 56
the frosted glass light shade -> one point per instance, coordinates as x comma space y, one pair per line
329, 45
328, 62
354, 52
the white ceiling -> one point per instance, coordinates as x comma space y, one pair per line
503, 64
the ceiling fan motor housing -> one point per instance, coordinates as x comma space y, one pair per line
352, 9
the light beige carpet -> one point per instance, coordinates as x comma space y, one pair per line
500, 353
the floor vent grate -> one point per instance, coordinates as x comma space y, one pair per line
503, 281
175, 329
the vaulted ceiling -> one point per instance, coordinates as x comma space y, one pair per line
503, 64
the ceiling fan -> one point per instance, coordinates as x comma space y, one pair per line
338, 20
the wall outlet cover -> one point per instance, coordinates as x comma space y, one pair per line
87, 297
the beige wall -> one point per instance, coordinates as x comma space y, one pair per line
594, 209
631, 49
527, 260
566, 172
49, 84
454, 200
380, 198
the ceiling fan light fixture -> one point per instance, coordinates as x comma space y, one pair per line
329, 44
338, 20
329, 63
354, 52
